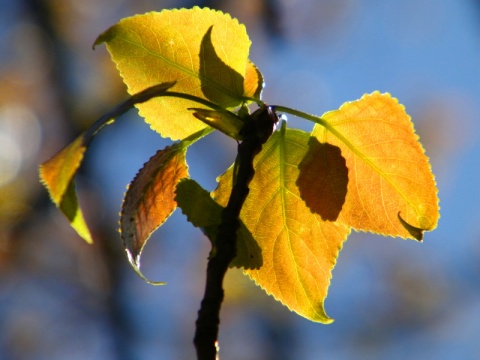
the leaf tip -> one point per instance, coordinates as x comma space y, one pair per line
135, 262
104, 37
416, 232
321, 316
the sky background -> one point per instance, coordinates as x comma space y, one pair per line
391, 298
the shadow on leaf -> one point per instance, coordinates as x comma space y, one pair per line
203, 212
220, 83
323, 179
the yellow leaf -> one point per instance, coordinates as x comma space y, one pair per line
57, 174
298, 248
391, 189
204, 51
253, 84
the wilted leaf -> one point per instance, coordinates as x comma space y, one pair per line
388, 173
203, 212
299, 249
149, 200
205, 51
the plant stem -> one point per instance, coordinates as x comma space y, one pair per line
255, 133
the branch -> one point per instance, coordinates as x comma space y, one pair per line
256, 131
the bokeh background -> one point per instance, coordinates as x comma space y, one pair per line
392, 299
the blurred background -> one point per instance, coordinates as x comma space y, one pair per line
392, 299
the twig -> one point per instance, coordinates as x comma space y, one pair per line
255, 133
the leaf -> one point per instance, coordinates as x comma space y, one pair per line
203, 212
205, 51
57, 173
299, 249
225, 121
389, 174
253, 84
149, 200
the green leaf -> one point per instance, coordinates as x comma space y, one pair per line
204, 51
299, 249
225, 121
203, 212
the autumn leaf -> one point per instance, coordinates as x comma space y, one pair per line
203, 212
150, 198
57, 174
299, 249
391, 189
253, 84
204, 51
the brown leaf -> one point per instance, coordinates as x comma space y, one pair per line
150, 198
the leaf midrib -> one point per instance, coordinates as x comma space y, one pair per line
283, 189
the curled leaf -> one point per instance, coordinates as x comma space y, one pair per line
149, 200
417, 233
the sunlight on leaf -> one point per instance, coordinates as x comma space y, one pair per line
57, 174
205, 51
388, 172
149, 200
203, 212
299, 249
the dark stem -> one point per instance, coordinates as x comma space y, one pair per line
255, 133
